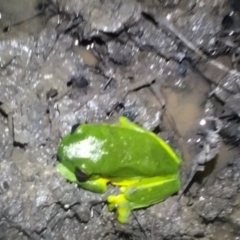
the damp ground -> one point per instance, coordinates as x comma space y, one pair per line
165, 65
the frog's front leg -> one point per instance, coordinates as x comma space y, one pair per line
143, 193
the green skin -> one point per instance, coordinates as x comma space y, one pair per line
124, 154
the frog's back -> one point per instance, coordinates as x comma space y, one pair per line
124, 152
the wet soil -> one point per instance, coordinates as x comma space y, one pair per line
165, 65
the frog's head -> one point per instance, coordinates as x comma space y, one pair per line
78, 154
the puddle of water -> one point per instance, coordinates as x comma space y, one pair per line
186, 108
87, 56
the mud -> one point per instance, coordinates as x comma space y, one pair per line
65, 62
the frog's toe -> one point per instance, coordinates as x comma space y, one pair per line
121, 204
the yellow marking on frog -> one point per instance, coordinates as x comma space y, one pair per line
116, 199
138, 181
116, 182
122, 205
119, 202
123, 189
102, 181
125, 182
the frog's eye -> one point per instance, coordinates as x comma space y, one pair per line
81, 176
74, 127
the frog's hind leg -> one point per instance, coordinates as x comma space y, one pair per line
142, 194
125, 123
